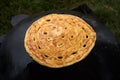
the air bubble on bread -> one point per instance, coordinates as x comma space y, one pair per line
45, 33
63, 36
84, 45
39, 47
74, 53
65, 27
33, 38
60, 44
59, 57
71, 36
86, 36
48, 20
46, 56
49, 38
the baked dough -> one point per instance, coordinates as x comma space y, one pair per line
59, 40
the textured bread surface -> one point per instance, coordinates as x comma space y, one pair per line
59, 40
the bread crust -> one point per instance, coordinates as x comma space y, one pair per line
59, 40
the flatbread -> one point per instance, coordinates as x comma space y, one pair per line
59, 40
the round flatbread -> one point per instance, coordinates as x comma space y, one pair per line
59, 40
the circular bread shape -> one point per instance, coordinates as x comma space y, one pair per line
59, 40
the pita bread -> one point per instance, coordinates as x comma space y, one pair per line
59, 40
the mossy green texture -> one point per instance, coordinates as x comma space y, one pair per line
107, 10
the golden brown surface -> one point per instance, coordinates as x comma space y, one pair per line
59, 40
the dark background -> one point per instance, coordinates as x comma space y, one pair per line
107, 11
101, 64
